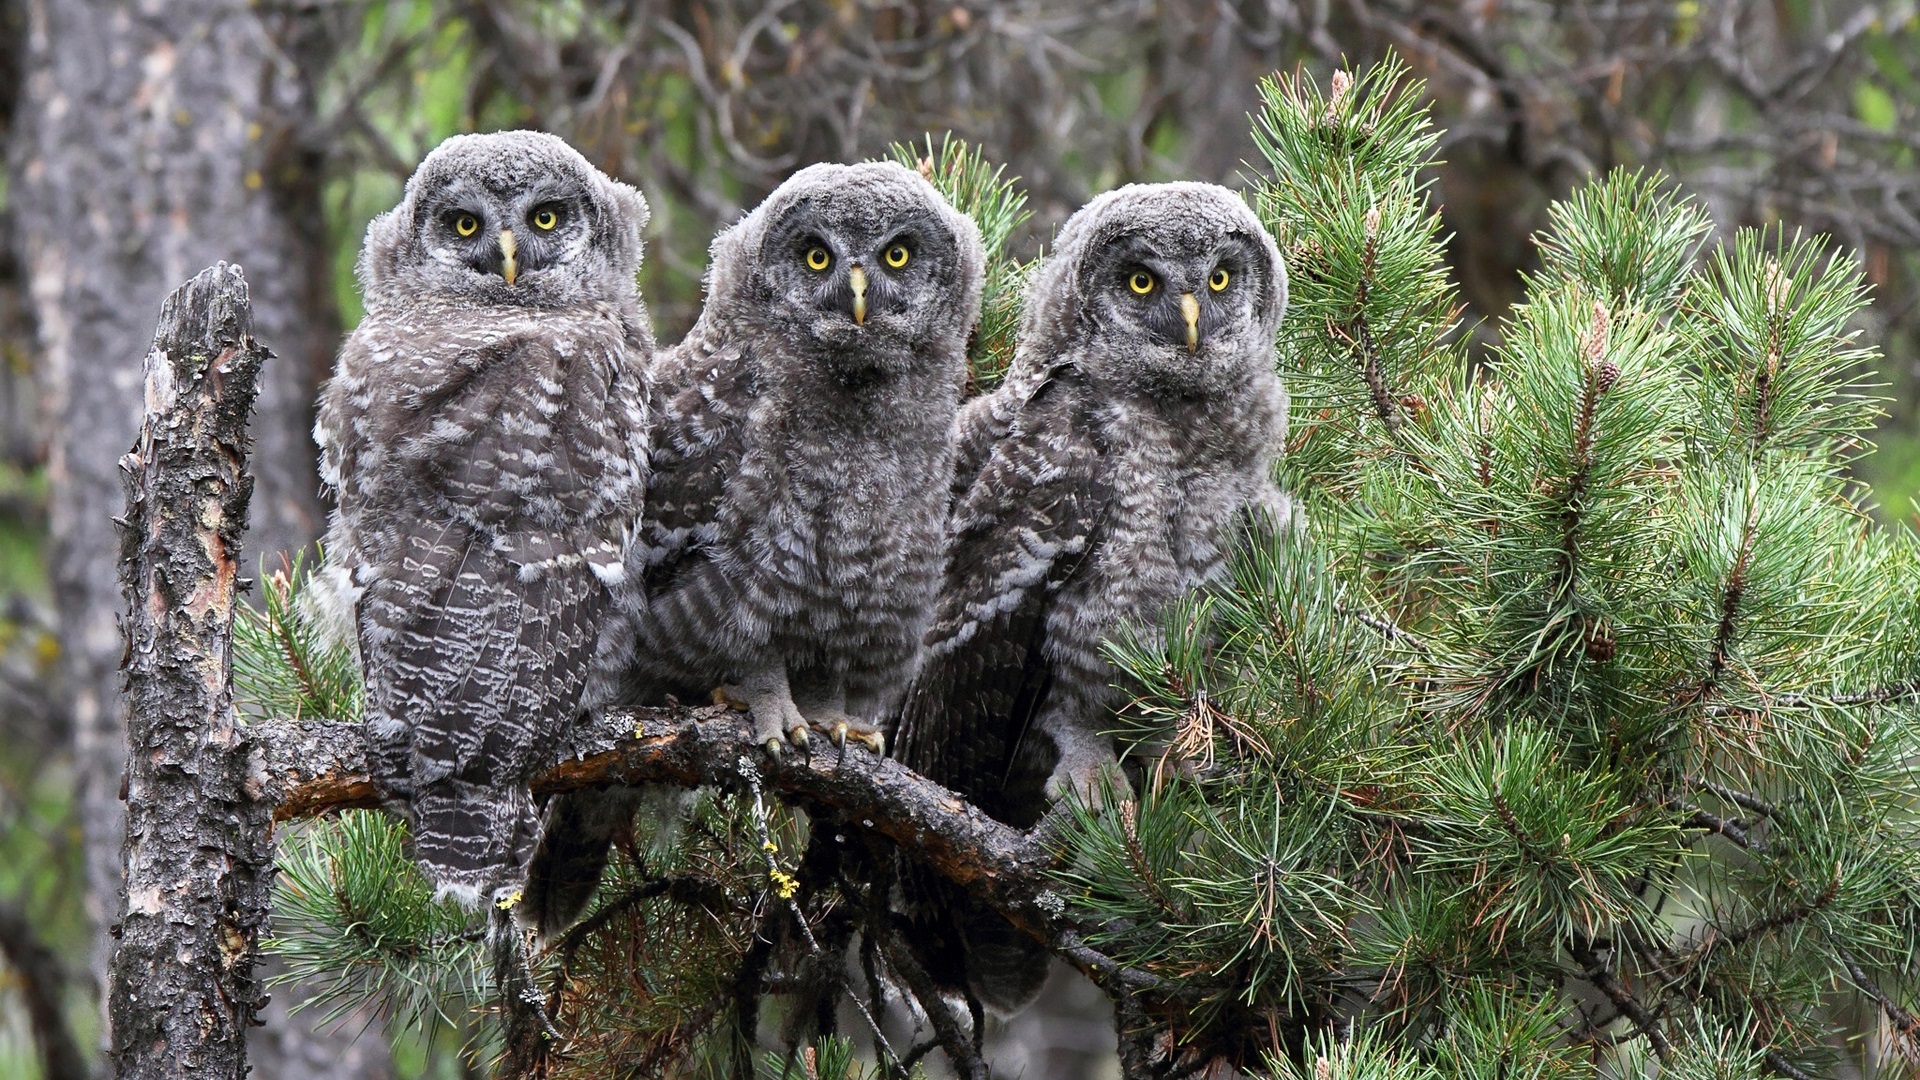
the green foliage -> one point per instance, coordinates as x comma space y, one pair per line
828, 1058
980, 189
285, 663
1627, 238
1585, 676
355, 922
1370, 306
645, 983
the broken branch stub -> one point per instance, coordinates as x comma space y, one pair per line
198, 858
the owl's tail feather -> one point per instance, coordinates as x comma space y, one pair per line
580, 830
963, 943
471, 844
1005, 966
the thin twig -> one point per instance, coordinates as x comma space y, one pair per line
1600, 974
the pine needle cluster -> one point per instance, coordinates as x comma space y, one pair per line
1578, 728
980, 189
285, 664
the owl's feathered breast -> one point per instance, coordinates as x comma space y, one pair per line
502, 418
778, 523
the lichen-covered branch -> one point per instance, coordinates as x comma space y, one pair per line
305, 768
310, 767
198, 857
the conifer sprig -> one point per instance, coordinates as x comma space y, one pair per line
285, 662
355, 919
982, 190
1369, 306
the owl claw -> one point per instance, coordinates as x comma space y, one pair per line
776, 721
842, 729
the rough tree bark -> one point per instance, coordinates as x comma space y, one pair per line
199, 850
152, 139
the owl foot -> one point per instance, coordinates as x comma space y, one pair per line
1095, 781
776, 720
840, 729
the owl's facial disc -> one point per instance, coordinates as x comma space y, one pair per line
1184, 299
858, 276
508, 237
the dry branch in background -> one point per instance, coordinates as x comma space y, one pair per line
40, 979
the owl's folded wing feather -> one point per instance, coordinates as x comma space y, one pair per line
1030, 518
700, 396
478, 641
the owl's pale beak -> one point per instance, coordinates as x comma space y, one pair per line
857, 280
1190, 311
508, 268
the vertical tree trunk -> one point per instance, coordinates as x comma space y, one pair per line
151, 139
199, 849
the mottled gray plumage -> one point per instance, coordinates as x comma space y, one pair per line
1106, 477
801, 450
484, 433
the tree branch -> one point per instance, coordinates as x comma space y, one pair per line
1600, 973
309, 767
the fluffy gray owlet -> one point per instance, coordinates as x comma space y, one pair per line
801, 451
1108, 475
484, 432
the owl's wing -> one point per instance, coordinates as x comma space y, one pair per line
701, 395
478, 638
1030, 518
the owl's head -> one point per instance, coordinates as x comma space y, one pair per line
1177, 286
516, 218
856, 267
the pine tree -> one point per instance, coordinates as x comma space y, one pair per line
1573, 731
1579, 727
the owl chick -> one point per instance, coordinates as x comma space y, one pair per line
1106, 477
801, 450
484, 434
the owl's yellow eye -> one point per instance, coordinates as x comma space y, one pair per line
1141, 283
466, 225
897, 256
818, 258
545, 219
1219, 279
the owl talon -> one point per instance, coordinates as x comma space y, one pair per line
842, 729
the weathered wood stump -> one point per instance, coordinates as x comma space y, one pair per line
198, 857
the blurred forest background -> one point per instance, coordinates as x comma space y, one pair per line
147, 138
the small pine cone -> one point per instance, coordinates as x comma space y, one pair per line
1606, 375
1600, 644
1416, 407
